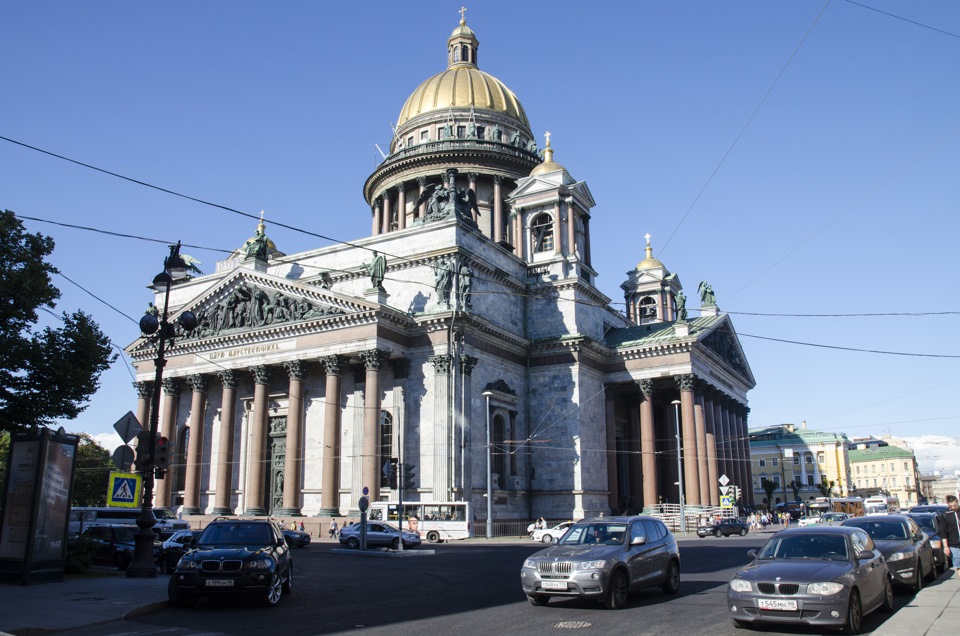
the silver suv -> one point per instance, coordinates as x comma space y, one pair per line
605, 559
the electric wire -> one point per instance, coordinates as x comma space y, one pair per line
899, 17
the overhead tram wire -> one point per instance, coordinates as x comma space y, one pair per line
743, 129
898, 17
823, 346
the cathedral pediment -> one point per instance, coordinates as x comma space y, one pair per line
246, 302
723, 341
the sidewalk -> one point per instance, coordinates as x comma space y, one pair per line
35, 610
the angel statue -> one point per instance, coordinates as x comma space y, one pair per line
191, 264
707, 299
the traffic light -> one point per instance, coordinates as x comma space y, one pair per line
144, 459
162, 453
392, 475
409, 473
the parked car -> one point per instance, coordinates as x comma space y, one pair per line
604, 559
234, 557
832, 518
805, 522
295, 538
176, 545
724, 528
115, 544
905, 547
830, 576
935, 508
83, 516
549, 535
929, 524
378, 535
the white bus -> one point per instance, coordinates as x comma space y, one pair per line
881, 505
435, 521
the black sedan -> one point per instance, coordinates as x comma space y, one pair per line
822, 576
296, 539
905, 547
928, 523
723, 528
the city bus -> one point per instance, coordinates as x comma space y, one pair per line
881, 505
434, 521
853, 506
815, 507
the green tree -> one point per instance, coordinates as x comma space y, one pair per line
91, 474
826, 487
44, 374
795, 486
769, 487
4, 451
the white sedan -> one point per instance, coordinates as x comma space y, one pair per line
549, 535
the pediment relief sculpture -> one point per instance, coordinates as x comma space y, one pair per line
724, 343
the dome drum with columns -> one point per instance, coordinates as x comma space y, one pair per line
473, 297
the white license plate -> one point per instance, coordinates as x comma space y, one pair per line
219, 583
554, 585
777, 604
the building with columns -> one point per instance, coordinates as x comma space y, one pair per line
471, 301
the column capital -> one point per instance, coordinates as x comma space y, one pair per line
296, 369
144, 390
373, 359
229, 379
260, 374
498, 179
441, 364
646, 387
472, 176
198, 383
401, 187
685, 382
170, 386
333, 365
422, 182
467, 363
401, 368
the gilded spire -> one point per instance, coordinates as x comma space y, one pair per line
548, 151
261, 228
649, 248
463, 19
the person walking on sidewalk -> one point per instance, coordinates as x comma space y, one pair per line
950, 524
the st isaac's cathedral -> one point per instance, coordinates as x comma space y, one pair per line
470, 311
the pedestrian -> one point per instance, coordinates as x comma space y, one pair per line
301, 527
950, 524
334, 529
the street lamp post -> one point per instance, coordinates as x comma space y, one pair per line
683, 512
174, 267
487, 395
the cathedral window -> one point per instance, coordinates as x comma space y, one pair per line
480, 131
465, 53
648, 309
424, 136
386, 444
461, 132
498, 451
541, 231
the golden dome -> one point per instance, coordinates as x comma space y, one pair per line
462, 85
548, 165
650, 262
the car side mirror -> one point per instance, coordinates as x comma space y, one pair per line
752, 554
918, 537
638, 540
865, 555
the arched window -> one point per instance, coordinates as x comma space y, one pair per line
386, 445
541, 233
498, 435
648, 309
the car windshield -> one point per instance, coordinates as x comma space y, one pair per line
883, 530
925, 521
245, 534
832, 517
163, 513
805, 546
595, 533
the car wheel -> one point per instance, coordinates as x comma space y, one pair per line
433, 537
177, 599
887, 606
538, 599
546, 539
395, 543
288, 584
854, 624
617, 594
353, 543
672, 583
743, 532
918, 576
274, 590
717, 533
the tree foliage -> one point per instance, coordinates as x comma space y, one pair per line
769, 487
49, 373
91, 474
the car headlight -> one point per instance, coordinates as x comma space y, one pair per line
898, 556
591, 565
822, 589
188, 565
259, 564
739, 585
935, 543
530, 563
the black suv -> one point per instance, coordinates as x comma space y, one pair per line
723, 528
234, 557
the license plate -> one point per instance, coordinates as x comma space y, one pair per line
777, 604
219, 583
554, 585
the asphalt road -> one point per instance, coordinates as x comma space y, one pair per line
465, 589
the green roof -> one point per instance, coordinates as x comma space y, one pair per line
659, 332
876, 453
799, 437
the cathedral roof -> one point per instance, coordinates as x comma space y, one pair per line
462, 85
658, 332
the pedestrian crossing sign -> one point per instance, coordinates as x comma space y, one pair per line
726, 502
123, 490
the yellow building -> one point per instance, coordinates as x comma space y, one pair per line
798, 461
885, 470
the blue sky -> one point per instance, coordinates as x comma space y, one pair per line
800, 156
